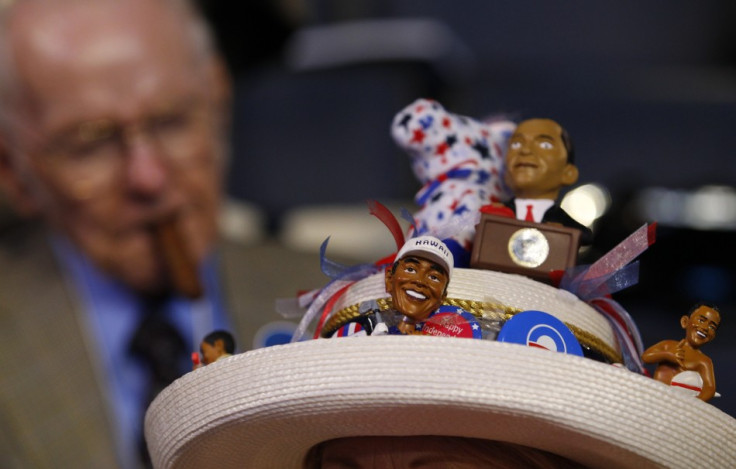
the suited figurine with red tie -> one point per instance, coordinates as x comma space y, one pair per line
540, 161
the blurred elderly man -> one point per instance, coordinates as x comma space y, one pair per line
113, 128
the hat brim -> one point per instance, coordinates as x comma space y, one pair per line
266, 408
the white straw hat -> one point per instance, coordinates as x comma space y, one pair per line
266, 408
487, 292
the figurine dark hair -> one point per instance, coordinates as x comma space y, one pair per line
568, 145
227, 340
436, 266
703, 303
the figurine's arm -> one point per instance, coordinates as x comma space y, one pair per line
663, 351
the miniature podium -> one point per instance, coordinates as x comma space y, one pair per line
515, 246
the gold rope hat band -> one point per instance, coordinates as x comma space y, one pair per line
479, 309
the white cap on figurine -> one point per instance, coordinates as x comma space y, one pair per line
428, 247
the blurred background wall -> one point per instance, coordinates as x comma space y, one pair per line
646, 89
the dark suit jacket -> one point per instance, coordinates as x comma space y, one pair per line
53, 406
555, 214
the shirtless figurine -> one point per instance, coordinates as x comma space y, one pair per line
674, 357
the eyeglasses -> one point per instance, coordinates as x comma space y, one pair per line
90, 156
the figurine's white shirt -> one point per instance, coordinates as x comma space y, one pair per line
539, 208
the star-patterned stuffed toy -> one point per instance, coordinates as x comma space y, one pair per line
459, 161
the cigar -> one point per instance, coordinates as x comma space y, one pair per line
180, 266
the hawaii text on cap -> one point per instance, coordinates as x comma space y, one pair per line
428, 247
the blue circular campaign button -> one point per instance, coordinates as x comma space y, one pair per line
541, 330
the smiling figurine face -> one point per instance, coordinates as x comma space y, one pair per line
537, 165
701, 326
417, 286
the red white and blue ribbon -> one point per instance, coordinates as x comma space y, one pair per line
611, 273
342, 275
387, 218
